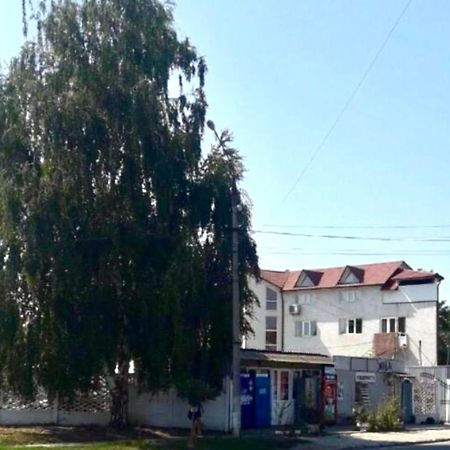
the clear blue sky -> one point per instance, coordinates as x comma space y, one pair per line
280, 72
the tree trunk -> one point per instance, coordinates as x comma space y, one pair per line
119, 393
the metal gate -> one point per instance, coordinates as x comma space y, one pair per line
424, 394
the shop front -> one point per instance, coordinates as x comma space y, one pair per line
280, 388
362, 383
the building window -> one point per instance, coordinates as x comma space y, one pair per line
271, 299
308, 278
352, 275
303, 299
271, 333
348, 297
393, 325
305, 328
350, 326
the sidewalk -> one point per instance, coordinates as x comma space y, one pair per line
339, 439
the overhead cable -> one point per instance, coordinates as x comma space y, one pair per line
349, 237
346, 105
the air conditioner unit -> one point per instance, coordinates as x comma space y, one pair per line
295, 309
403, 340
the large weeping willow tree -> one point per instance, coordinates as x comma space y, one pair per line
115, 228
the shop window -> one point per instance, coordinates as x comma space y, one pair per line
297, 375
275, 385
284, 385
362, 398
311, 392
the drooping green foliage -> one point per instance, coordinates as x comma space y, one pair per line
115, 229
443, 333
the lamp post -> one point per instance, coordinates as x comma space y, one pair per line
236, 362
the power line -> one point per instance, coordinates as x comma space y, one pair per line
353, 238
359, 227
346, 104
301, 250
331, 253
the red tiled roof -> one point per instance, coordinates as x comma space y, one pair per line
372, 274
415, 275
275, 277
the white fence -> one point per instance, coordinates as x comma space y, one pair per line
164, 409
431, 392
82, 409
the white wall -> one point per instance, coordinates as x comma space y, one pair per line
166, 409
370, 303
258, 341
411, 293
161, 410
329, 305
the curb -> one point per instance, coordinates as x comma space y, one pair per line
394, 444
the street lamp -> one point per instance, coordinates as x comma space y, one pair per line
236, 362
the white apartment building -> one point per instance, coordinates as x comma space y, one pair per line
384, 310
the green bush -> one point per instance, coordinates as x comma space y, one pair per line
387, 416
360, 415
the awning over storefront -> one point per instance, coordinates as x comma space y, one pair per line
283, 359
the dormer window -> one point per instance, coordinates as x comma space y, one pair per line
308, 278
352, 275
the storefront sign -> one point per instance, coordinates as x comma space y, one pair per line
329, 401
365, 377
384, 366
329, 373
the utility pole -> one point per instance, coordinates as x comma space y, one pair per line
448, 349
236, 308
236, 417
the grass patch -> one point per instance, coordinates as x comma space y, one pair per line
104, 438
33, 435
172, 444
96, 446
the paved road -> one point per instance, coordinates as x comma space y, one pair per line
437, 446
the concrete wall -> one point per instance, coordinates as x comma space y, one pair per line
327, 306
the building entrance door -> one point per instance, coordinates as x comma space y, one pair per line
263, 412
407, 401
247, 401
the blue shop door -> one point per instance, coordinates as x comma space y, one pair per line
247, 401
262, 401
